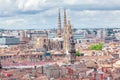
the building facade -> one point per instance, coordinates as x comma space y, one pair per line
4, 40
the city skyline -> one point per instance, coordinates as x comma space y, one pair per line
42, 14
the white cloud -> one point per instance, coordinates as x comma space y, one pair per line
85, 12
95, 18
50, 12
14, 21
30, 4
95, 13
98, 2
24, 5
78, 2
7, 5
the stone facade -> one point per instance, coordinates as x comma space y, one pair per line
41, 42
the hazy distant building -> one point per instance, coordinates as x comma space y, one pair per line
22, 35
101, 34
85, 40
5, 40
23, 38
117, 34
51, 35
36, 33
79, 35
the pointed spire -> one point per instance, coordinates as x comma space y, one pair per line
69, 26
68, 20
59, 19
65, 20
59, 23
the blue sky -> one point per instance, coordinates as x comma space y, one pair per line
42, 14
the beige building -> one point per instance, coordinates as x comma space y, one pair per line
41, 42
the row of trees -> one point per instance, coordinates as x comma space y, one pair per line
96, 47
92, 47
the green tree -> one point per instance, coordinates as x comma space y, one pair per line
77, 53
96, 47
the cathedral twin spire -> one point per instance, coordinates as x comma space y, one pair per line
67, 27
66, 32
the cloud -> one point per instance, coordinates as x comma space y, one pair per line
30, 4
5, 14
80, 2
13, 21
95, 18
44, 12
93, 2
18, 7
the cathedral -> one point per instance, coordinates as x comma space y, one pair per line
62, 39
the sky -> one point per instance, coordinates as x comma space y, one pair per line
43, 14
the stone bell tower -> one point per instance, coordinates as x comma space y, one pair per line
72, 57
67, 36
